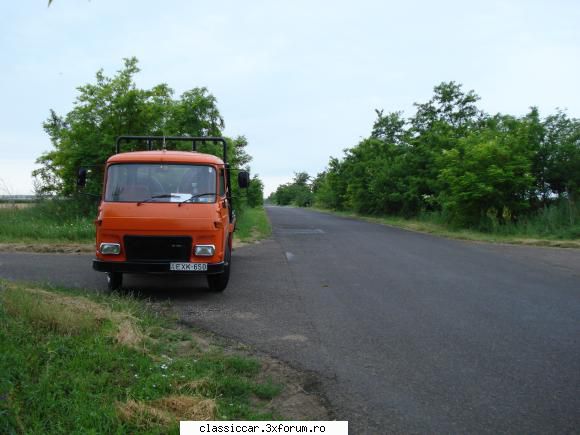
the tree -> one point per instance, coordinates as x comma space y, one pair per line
389, 128
255, 193
562, 164
301, 191
438, 125
114, 106
487, 176
562, 161
331, 188
284, 194
449, 109
452, 159
297, 192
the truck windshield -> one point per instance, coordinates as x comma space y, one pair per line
154, 182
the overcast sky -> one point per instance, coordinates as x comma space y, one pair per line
300, 79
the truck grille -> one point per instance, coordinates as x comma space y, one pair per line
153, 248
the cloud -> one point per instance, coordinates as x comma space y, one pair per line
299, 79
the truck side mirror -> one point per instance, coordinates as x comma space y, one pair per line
243, 179
82, 177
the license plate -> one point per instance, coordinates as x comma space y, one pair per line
188, 267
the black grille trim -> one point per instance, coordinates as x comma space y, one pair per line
157, 248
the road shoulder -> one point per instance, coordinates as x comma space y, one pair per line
465, 235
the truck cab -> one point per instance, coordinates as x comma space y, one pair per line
166, 212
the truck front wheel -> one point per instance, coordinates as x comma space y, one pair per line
114, 280
219, 282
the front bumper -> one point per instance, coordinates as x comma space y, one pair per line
150, 267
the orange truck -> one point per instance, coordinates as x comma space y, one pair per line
166, 212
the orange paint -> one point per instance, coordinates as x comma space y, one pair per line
164, 222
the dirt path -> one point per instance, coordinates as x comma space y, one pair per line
48, 248
68, 248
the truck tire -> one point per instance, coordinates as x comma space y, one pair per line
114, 281
219, 282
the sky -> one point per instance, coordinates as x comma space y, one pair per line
300, 79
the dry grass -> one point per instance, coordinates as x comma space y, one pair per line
167, 411
188, 407
197, 386
51, 248
128, 333
48, 311
548, 243
69, 315
16, 205
143, 415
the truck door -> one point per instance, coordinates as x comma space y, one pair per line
224, 206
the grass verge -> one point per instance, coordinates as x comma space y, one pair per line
440, 229
48, 222
253, 225
55, 227
74, 363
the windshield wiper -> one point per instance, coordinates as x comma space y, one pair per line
196, 196
165, 195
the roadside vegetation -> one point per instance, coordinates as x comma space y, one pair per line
114, 106
62, 222
253, 225
538, 232
455, 169
89, 363
85, 137
48, 221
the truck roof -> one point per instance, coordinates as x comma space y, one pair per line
166, 157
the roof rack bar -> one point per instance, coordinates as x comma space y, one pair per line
193, 139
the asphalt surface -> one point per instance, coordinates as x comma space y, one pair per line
407, 332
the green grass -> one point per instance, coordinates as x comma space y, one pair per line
85, 363
549, 227
67, 222
48, 221
253, 224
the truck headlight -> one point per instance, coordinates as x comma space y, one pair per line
110, 248
204, 250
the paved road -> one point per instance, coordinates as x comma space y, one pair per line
408, 332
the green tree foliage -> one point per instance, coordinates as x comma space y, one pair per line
255, 193
436, 127
297, 192
331, 186
473, 168
562, 155
486, 176
114, 106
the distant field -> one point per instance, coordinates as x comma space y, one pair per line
16, 205
49, 221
